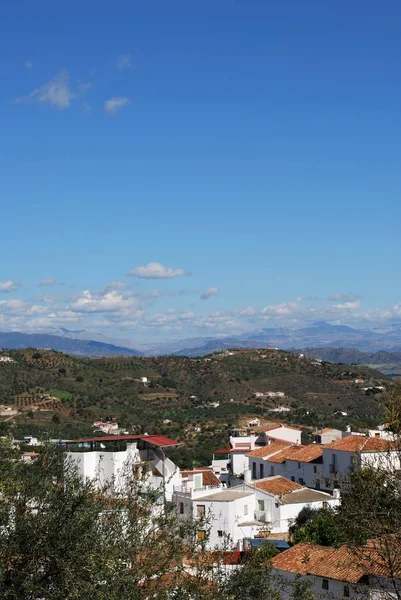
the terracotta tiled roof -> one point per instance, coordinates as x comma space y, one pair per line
208, 477
310, 453
276, 485
270, 449
360, 443
284, 454
341, 564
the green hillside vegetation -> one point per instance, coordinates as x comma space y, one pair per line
180, 390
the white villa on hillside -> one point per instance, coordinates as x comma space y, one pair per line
106, 458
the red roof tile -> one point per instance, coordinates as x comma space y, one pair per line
360, 443
276, 485
342, 564
269, 450
208, 477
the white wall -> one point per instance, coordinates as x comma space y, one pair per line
285, 433
336, 588
239, 462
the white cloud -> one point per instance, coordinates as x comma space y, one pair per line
49, 281
28, 64
114, 105
212, 291
156, 271
338, 297
349, 305
109, 301
282, 309
250, 311
57, 92
9, 286
124, 61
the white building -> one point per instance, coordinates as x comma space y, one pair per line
279, 501
286, 433
106, 460
335, 573
354, 452
6, 359
143, 380
327, 435
230, 517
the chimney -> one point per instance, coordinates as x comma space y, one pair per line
336, 494
247, 476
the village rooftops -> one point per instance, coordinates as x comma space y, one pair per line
280, 426
307, 454
358, 443
269, 450
277, 485
341, 564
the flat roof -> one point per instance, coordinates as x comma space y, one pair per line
305, 495
156, 440
225, 496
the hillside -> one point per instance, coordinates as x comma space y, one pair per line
181, 389
388, 363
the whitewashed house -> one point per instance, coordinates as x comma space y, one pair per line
327, 435
286, 433
279, 501
335, 573
107, 459
354, 452
232, 517
303, 464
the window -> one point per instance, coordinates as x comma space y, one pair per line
325, 584
346, 591
315, 469
292, 478
245, 509
271, 470
325, 505
261, 471
253, 470
201, 535
200, 511
220, 533
299, 465
181, 508
301, 481
261, 505
317, 484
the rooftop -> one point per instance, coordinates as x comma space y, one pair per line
304, 495
208, 477
270, 449
281, 426
226, 496
156, 440
277, 485
358, 443
341, 564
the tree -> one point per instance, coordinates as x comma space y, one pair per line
317, 526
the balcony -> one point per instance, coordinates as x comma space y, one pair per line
262, 515
333, 469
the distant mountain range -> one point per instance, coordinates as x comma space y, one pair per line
317, 335
15, 340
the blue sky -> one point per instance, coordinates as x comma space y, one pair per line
251, 150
